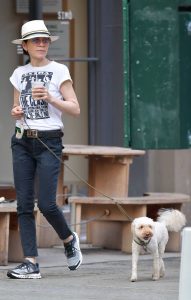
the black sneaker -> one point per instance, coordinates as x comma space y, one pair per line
26, 270
73, 253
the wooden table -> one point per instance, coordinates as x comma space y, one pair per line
108, 167
108, 173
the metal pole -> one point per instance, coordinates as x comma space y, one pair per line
35, 10
92, 72
185, 266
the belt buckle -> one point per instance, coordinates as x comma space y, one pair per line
32, 133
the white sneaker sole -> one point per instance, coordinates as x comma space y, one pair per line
27, 276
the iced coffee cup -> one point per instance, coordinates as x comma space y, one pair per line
35, 85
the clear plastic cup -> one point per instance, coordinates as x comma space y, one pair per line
36, 84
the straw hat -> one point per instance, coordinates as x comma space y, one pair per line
32, 29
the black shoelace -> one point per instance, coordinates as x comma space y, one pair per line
69, 249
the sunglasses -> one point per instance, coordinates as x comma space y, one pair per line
38, 41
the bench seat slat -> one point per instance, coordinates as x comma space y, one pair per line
163, 198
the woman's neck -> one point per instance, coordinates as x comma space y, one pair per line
39, 63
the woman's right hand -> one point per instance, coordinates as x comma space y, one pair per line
17, 112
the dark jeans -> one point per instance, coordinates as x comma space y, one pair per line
31, 160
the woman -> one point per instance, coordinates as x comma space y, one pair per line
42, 92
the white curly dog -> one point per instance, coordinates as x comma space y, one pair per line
152, 237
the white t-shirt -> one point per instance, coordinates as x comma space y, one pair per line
40, 114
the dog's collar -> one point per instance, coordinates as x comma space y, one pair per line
142, 243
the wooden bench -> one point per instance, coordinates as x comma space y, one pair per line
117, 235
10, 247
7, 191
10, 244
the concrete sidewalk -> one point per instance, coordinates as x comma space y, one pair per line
104, 274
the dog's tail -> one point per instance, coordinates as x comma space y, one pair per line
173, 219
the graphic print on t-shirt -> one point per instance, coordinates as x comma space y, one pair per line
34, 109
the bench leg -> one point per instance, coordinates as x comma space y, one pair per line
106, 234
78, 213
46, 235
174, 242
15, 253
4, 238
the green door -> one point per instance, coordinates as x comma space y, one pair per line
153, 86
185, 78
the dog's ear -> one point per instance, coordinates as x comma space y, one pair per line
132, 226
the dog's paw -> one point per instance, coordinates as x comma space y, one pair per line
155, 277
133, 278
162, 272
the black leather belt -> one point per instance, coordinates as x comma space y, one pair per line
34, 133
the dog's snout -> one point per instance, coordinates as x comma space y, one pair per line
149, 234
